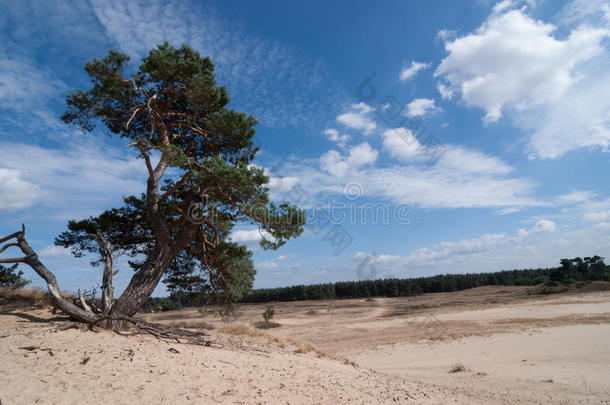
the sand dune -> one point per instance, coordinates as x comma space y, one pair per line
514, 348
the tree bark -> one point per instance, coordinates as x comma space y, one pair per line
31, 259
107, 258
144, 282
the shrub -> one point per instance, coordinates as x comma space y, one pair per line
268, 314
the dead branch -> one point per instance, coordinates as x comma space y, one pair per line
83, 302
31, 259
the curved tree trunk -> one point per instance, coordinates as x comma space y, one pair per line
144, 282
31, 259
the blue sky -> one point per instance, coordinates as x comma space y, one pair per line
446, 136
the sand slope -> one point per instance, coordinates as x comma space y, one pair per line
515, 348
136, 369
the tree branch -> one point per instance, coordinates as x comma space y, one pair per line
83, 303
31, 259
14, 260
8, 245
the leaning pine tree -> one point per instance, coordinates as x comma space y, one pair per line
200, 183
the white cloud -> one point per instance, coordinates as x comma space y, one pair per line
248, 236
495, 252
409, 72
420, 107
542, 226
76, 181
337, 165
25, 92
16, 193
488, 65
445, 35
553, 88
471, 161
358, 118
361, 155
444, 250
460, 178
446, 187
595, 211
53, 251
576, 196
334, 163
334, 136
400, 143
446, 92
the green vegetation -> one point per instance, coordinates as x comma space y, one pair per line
10, 278
268, 314
198, 153
576, 270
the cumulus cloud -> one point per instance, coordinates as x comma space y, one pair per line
408, 72
361, 155
400, 143
553, 87
338, 165
334, 136
446, 92
420, 107
15, 192
358, 118
250, 237
542, 226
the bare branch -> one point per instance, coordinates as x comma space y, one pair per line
11, 236
144, 154
8, 245
133, 115
14, 260
83, 302
31, 259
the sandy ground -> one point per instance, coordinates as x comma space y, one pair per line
513, 348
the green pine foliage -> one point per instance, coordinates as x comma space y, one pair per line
9, 277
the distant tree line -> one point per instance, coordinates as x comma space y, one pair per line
577, 269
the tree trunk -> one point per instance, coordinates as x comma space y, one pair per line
144, 282
31, 259
107, 258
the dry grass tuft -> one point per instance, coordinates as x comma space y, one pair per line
266, 325
311, 312
350, 363
24, 297
457, 368
303, 348
192, 325
241, 329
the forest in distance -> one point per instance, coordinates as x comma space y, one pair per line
570, 271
